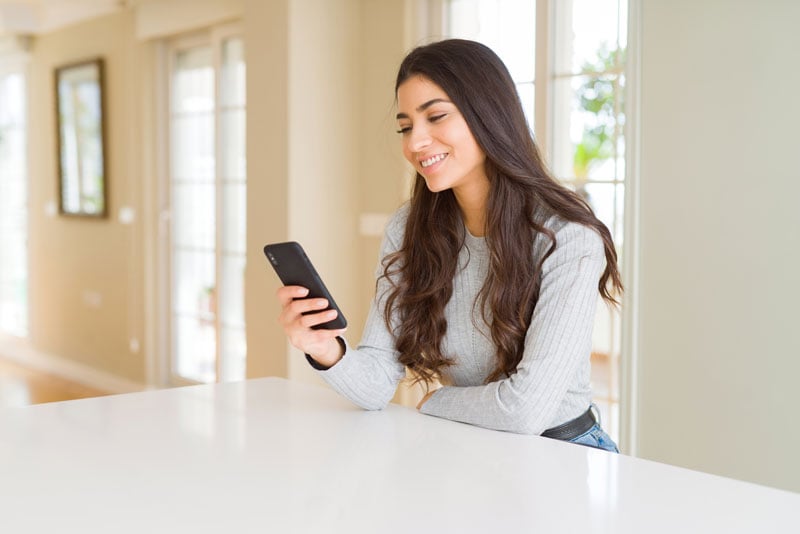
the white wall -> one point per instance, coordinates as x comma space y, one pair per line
719, 350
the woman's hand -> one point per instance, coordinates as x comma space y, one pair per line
426, 397
319, 344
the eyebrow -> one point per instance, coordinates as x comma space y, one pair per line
424, 106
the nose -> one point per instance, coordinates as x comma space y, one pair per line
418, 139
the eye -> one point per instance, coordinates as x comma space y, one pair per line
404, 130
437, 118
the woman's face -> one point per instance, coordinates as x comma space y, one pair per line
437, 140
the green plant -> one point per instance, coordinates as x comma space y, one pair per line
600, 96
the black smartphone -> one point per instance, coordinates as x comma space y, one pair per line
295, 269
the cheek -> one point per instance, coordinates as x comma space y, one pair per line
479, 154
471, 148
461, 136
475, 148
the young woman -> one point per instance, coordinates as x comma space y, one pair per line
490, 274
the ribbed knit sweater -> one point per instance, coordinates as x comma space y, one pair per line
551, 385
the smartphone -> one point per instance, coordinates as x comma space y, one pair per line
295, 269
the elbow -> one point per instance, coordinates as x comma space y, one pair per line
519, 412
522, 421
524, 426
374, 403
527, 430
374, 407
530, 424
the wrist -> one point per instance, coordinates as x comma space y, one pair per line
335, 352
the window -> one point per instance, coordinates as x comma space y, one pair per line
570, 81
588, 150
13, 203
509, 28
207, 193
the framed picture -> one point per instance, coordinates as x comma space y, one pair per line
80, 132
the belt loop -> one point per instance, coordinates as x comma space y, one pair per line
596, 411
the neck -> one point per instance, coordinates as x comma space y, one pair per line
473, 208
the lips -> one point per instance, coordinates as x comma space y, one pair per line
425, 163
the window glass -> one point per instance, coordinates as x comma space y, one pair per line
588, 144
234, 208
233, 73
509, 28
506, 26
193, 200
193, 81
208, 211
13, 206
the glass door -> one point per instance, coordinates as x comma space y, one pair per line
207, 193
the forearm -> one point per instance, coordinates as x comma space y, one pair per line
366, 376
494, 406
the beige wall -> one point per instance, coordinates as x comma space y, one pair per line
383, 172
85, 275
324, 92
266, 32
321, 151
720, 238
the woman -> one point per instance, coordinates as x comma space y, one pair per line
490, 274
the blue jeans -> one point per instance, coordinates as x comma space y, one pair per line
597, 438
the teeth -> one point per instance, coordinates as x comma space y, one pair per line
431, 160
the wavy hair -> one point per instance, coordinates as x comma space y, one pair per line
522, 194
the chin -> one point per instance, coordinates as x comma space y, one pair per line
435, 187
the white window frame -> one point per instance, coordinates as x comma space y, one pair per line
160, 367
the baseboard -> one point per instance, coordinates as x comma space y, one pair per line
19, 350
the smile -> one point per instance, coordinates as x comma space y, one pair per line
433, 159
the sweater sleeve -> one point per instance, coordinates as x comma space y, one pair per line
368, 375
558, 338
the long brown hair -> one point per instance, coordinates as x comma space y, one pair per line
522, 194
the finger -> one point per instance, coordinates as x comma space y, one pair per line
299, 314
294, 309
287, 294
303, 306
313, 319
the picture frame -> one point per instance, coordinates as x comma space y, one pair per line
81, 143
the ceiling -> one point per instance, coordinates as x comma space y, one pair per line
34, 17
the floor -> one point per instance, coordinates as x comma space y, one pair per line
21, 386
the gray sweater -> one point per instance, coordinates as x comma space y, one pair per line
551, 385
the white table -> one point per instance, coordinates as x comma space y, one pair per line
270, 455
